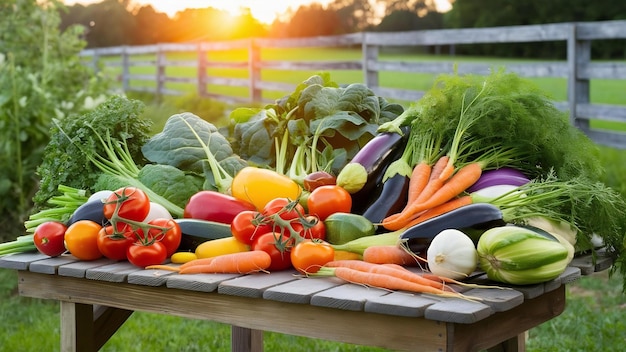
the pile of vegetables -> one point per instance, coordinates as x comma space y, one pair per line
482, 174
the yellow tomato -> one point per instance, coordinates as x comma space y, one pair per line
259, 186
226, 245
81, 239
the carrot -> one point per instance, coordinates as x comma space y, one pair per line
434, 182
163, 267
384, 269
389, 282
395, 254
459, 182
232, 263
441, 209
418, 180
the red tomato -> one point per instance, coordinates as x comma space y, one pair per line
309, 256
315, 229
285, 208
326, 200
114, 245
171, 237
134, 205
142, 255
247, 225
49, 238
277, 247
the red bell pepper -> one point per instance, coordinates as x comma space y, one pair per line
215, 206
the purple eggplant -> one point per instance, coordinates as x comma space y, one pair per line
502, 176
372, 160
391, 200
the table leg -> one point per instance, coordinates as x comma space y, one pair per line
246, 340
85, 327
514, 344
77, 327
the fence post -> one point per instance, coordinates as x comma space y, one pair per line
202, 66
161, 64
578, 54
125, 69
254, 56
369, 52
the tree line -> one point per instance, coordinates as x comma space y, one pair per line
119, 22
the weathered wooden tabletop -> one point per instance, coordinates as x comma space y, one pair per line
98, 296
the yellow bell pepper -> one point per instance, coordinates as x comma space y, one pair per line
259, 186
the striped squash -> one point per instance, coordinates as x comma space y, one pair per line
521, 256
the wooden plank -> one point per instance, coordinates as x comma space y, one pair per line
150, 277
253, 285
347, 297
458, 311
400, 304
51, 265
498, 299
198, 282
80, 267
20, 261
116, 272
300, 290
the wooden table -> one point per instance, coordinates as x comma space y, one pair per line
97, 297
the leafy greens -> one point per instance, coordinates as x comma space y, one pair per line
319, 126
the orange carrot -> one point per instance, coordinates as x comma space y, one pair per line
434, 182
232, 263
395, 254
389, 282
441, 209
163, 267
418, 180
459, 182
385, 270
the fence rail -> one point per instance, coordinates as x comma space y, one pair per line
578, 68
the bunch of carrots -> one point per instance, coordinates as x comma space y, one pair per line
391, 277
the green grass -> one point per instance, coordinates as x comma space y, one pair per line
594, 320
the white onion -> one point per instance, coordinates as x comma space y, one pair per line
452, 254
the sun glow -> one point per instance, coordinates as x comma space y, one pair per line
266, 11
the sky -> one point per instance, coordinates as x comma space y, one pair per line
263, 10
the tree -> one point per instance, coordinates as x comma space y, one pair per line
151, 26
313, 20
354, 15
41, 78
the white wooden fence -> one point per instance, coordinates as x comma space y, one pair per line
578, 69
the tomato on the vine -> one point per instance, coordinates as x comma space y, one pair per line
142, 255
134, 206
49, 237
114, 245
249, 224
81, 239
171, 237
315, 228
309, 256
277, 246
285, 208
326, 200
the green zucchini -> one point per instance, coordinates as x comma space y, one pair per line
197, 231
